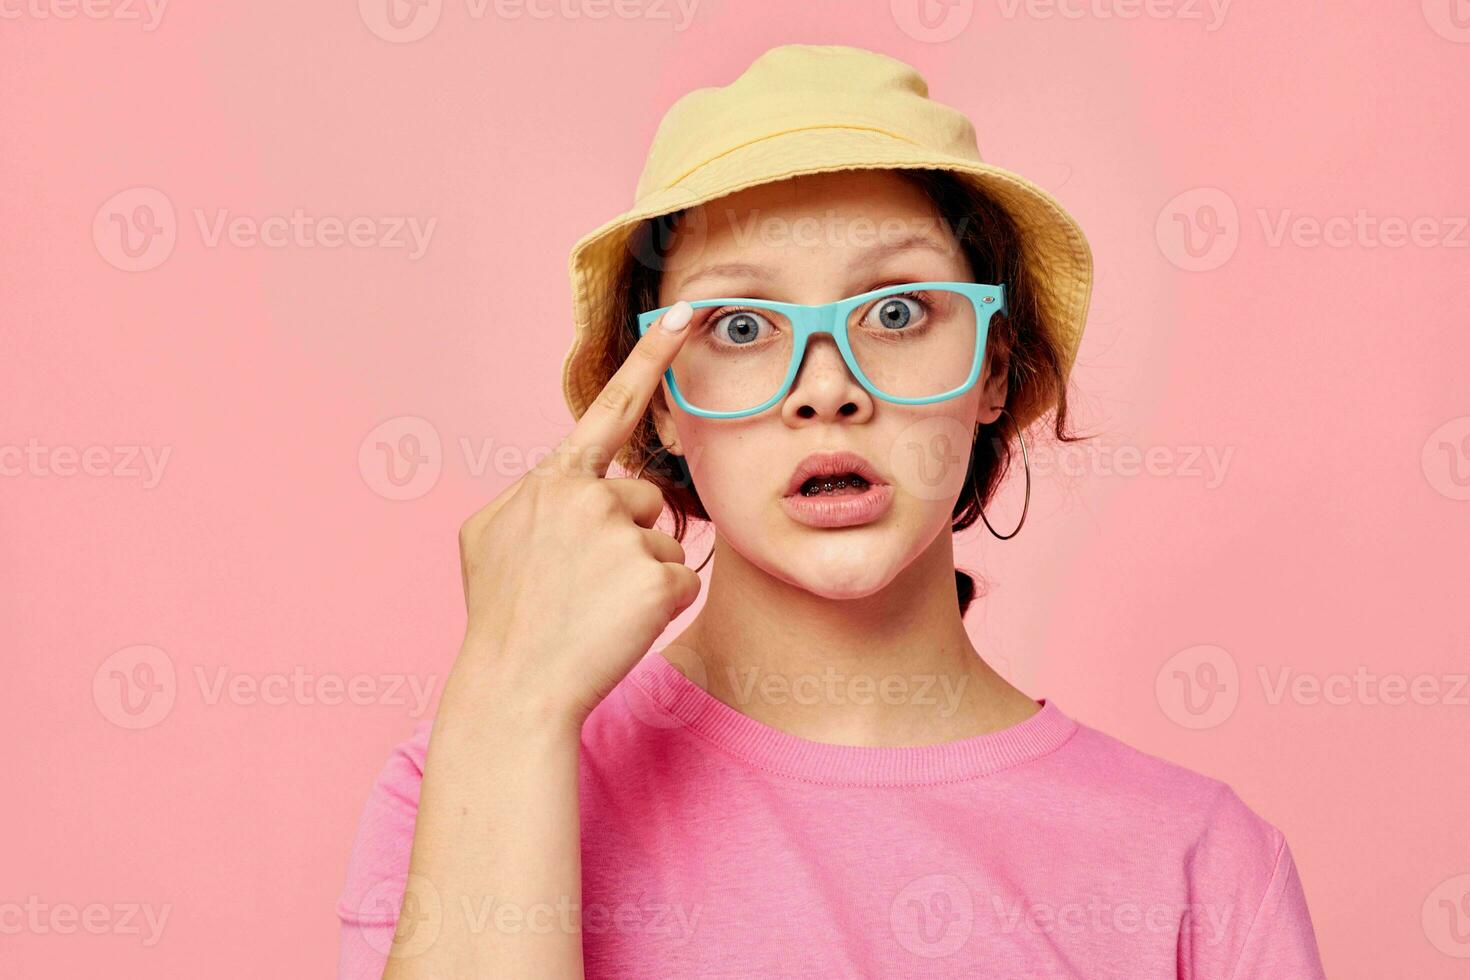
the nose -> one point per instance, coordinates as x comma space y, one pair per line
824, 389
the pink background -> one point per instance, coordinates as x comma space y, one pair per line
1327, 380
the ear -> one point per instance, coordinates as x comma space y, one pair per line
663, 421
995, 383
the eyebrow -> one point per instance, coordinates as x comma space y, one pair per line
869, 257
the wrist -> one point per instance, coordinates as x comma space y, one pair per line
486, 693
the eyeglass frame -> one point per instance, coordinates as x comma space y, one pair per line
831, 318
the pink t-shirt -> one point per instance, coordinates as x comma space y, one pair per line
716, 846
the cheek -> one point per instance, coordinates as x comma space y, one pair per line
929, 460
723, 461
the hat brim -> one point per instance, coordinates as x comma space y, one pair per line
1052, 243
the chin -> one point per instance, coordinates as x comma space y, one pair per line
841, 572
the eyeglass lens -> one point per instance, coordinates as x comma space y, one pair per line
910, 345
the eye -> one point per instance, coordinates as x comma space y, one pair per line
737, 328
894, 312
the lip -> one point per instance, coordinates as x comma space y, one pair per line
845, 510
819, 464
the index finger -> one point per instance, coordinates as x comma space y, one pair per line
613, 415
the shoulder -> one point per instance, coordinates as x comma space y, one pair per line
1202, 809
378, 865
1244, 910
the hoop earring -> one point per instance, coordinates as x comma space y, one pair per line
1025, 457
639, 475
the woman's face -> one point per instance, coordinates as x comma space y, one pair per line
815, 239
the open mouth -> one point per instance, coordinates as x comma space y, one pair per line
833, 473
833, 485
836, 489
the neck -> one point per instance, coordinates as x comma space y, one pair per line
890, 669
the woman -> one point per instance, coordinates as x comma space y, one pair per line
820, 776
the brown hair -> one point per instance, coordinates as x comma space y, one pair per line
990, 241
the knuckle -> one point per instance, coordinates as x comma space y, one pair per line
544, 468
591, 497
552, 465
616, 398
677, 593
666, 582
650, 578
689, 585
469, 530
631, 538
651, 495
671, 545
648, 353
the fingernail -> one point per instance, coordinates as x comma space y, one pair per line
677, 317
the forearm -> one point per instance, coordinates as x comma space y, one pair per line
495, 881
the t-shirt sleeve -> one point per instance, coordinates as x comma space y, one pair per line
1281, 941
377, 870
1248, 918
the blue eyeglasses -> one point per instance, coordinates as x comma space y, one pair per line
912, 344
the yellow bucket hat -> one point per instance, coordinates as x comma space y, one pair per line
800, 109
